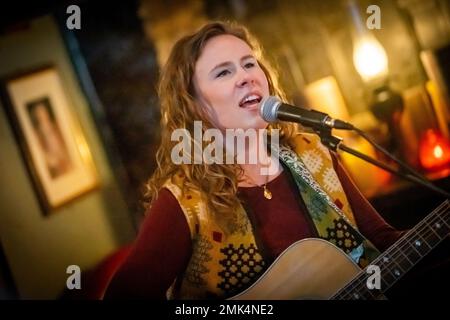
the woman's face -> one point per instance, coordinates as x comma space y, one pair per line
230, 84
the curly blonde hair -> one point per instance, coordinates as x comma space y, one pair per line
179, 109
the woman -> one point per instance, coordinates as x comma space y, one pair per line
211, 229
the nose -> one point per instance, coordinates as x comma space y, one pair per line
244, 78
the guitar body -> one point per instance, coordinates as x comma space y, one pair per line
308, 269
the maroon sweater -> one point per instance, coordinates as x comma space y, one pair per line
163, 247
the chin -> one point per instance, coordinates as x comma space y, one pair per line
260, 123
256, 123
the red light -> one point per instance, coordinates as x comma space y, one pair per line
434, 150
438, 152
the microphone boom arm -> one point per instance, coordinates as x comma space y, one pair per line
334, 143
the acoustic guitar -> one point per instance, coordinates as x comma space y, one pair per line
316, 269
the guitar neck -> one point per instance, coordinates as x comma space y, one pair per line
402, 256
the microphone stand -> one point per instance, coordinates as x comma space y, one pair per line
334, 143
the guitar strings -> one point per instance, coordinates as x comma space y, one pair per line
435, 216
357, 282
426, 224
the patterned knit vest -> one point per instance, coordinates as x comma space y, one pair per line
223, 264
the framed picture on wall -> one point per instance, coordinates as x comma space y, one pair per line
51, 140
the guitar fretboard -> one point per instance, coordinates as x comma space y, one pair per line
401, 256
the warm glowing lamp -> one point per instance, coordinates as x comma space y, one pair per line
434, 150
369, 57
371, 62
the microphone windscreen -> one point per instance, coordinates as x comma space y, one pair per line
269, 108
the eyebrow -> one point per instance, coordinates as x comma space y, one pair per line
223, 64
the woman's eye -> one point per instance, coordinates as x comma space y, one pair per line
222, 73
249, 65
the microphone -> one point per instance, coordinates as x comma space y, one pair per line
273, 109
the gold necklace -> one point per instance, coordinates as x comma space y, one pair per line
266, 192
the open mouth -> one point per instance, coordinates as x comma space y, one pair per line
250, 100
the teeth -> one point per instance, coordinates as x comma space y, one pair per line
252, 97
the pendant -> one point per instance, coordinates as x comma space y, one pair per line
267, 193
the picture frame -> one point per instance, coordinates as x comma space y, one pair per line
51, 141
